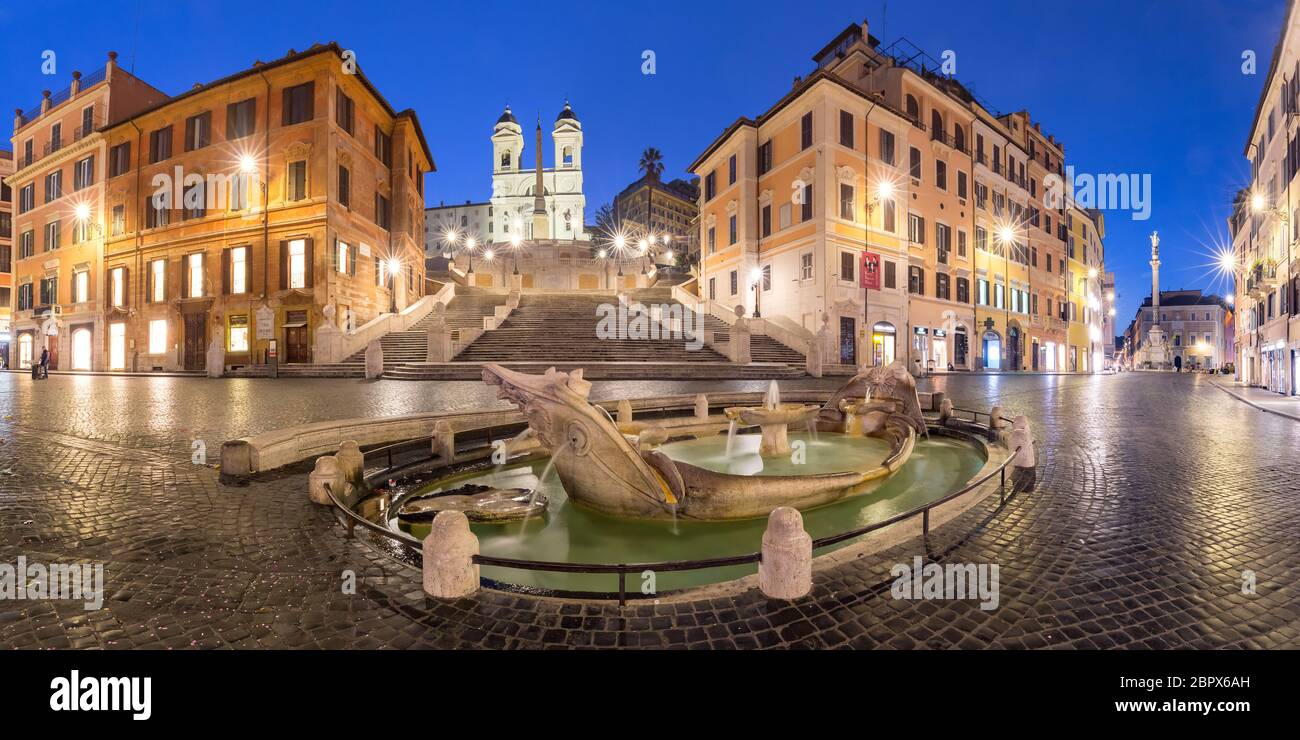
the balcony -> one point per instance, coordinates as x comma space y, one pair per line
949, 141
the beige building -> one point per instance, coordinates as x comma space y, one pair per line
886, 202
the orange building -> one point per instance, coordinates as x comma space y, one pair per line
247, 211
59, 172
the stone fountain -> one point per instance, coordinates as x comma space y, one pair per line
774, 419
604, 469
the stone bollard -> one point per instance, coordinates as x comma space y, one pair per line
374, 360
701, 406
438, 345
351, 462
739, 351
997, 427
945, 411
449, 570
444, 442
995, 418
785, 571
327, 471
1024, 466
624, 411
216, 358
936, 400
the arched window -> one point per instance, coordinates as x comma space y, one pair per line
568, 155
936, 125
959, 137
505, 158
913, 108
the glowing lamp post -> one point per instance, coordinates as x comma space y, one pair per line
394, 267
756, 279
515, 242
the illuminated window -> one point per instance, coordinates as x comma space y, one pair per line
81, 286
238, 334
158, 273
158, 336
119, 286
194, 264
342, 257
297, 264
239, 270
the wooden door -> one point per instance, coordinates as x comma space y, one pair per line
196, 334
296, 348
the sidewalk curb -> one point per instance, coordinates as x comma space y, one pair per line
1249, 402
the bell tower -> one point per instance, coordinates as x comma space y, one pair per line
507, 143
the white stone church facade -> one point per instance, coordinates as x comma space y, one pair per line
512, 204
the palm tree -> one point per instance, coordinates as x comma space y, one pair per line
652, 162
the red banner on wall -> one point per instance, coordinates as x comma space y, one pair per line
870, 271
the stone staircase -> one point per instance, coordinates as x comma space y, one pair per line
561, 328
466, 311
761, 348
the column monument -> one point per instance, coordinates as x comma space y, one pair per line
1155, 354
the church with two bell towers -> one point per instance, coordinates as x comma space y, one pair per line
515, 204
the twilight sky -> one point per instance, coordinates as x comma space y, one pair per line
1131, 86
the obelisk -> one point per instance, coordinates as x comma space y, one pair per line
540, 228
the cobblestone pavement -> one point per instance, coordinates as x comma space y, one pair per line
1155, 493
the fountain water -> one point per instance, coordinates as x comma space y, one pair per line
731, 438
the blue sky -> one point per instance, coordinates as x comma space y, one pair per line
1130, 86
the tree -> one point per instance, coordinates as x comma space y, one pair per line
606, 222
652, 162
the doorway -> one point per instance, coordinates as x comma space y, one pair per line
295, 345
959, 349
1034, 356
883, 336
81, 343
196, 331
1013, 349
992, 344
117, 346
25, 345
848, 341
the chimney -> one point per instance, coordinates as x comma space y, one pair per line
797, 80
110, 66
18, 118
866, 34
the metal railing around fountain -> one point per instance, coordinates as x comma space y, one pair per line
352, 518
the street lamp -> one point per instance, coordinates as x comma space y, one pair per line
394, 266
515, 242
620, 243
756, 280
82, 214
